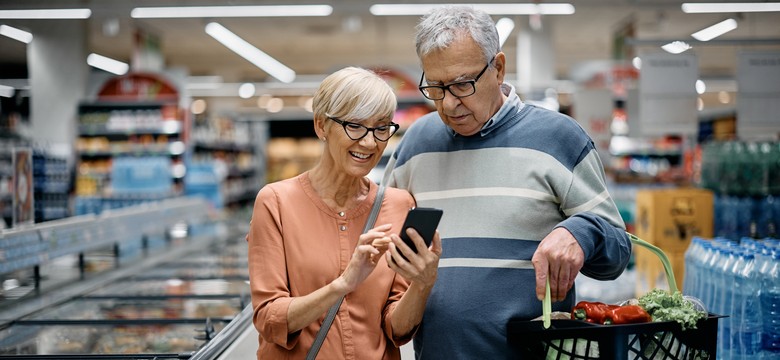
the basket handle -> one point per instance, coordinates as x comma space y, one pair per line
661, 255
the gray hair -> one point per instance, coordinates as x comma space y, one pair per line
443, 25
354, 94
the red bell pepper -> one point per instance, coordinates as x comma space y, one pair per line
593, 312
628, 314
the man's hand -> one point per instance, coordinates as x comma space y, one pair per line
559, 257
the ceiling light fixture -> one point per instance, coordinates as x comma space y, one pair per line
697, 8
7, 91
46, 14
250, 53
716, 30
492, 9
676, 47
504, 26
16, 34
205, 82
230, 11
246, 90
107, 64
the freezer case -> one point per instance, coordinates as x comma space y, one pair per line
173, 310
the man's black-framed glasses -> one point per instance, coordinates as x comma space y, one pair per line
357, 131
458, 89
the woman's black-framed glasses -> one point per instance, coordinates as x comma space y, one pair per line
458, 89
357, 131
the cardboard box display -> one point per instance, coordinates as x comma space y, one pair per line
670, 218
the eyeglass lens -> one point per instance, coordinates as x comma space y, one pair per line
461, 89
357, 131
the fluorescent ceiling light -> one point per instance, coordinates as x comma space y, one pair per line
250, 53
16, 34
230, 11
493, 9
7, 91
504, 27
107, 64
46, 14
676, 47
691, 8
716, 30
204, 82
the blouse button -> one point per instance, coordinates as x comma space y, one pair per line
343, 228
341, 213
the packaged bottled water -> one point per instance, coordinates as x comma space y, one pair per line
692, 256
746, 326
725, 277
770, 308
702, 279
711, 282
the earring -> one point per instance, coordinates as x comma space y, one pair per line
324, 139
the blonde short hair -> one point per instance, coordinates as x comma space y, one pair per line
354, 94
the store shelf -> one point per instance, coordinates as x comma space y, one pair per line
126, 148
228, 165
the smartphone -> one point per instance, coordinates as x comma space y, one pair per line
424, 221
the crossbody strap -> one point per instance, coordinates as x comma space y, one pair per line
320, 338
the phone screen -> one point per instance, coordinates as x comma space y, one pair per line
424, 221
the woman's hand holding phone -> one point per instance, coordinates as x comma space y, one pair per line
415, 252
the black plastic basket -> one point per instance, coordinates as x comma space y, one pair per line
575, 340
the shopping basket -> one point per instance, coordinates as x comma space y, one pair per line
575, 339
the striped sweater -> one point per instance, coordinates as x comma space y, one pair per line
503, 190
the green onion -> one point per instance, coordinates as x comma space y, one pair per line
662, 256
546, 306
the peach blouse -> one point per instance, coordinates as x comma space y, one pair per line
297, 244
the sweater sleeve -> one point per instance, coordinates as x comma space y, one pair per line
594, 220
268, 278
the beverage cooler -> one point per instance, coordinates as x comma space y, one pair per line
185, 298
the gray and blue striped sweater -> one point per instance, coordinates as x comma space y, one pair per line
527, 172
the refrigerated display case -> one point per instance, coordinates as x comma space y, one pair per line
188, 299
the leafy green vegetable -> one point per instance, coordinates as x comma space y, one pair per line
665, 306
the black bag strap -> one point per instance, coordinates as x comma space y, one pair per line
320, 338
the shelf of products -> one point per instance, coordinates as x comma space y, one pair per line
52, 180
128, 152
6, 192
659, 160
225, 166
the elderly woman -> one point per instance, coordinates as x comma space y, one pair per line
307, 249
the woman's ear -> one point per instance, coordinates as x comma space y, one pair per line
319, 127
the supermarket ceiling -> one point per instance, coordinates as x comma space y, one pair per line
351, 35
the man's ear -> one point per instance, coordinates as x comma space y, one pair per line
500, 64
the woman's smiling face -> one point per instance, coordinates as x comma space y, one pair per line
355, 157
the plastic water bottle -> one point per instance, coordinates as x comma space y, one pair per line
746, 326
765, 225
704, 280
730, 217
708, 280
770, 309
691, 256
725, 279
693, 267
